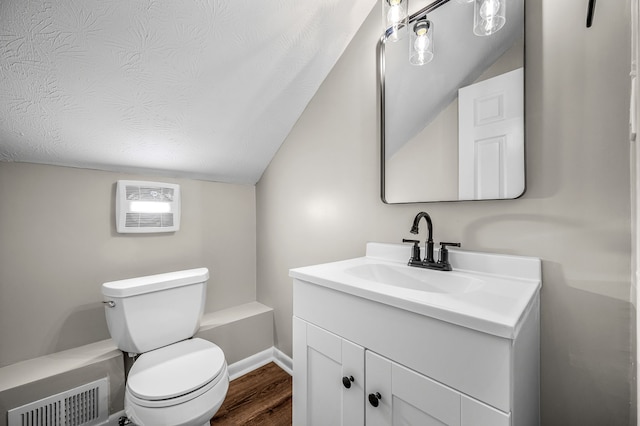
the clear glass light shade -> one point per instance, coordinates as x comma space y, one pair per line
489, 16
421, 42
394, 15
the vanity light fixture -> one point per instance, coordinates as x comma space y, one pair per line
394, 15
488, 16
421, 42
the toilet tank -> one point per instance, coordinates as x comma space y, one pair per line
149, 312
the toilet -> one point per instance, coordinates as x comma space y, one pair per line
175, 379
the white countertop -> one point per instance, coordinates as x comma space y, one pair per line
501, 287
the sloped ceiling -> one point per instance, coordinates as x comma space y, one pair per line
201, 89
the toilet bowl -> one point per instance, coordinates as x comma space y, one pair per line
181, 384
176, 379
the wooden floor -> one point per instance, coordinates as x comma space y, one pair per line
262, 397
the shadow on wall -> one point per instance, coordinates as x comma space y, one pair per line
72, 332
584, 352
478, 233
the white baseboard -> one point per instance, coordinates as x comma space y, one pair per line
247, 365
283, 361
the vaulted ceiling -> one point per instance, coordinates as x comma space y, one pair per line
206, 89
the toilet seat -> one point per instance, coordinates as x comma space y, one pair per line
176, 373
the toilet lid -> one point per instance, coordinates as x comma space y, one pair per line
175, 370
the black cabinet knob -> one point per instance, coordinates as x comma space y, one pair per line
374, 398
346, 381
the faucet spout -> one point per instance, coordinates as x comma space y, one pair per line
443, 262
429, 243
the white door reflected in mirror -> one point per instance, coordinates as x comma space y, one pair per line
491, 138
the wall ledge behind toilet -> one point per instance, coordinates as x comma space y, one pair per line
50, 365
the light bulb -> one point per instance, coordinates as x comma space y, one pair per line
394, 12
421, 47
489, 16
489, 8
394, 16
421, 44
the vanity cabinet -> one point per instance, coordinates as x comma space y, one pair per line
337, 382
376, 342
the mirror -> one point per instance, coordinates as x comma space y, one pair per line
453, 129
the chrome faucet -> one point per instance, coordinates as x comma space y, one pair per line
428, 262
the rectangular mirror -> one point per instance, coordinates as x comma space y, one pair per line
453, 128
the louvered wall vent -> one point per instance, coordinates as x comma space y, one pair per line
85, 405
147, 206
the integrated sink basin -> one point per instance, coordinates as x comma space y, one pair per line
485, 292
415, 279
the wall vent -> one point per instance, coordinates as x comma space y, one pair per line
86, 405
147, 207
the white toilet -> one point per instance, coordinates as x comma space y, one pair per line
175, 380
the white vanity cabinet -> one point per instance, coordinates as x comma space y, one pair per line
369, 353
380, 392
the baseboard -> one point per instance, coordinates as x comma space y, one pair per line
115, 418
283, 361
247, 365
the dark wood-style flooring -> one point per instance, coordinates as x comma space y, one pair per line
262, 397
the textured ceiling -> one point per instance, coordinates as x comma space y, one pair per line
202, 89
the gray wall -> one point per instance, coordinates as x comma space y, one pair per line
58, 244
319, 200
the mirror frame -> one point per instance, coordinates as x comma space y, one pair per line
381, 87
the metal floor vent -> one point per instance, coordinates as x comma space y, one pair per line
86, 405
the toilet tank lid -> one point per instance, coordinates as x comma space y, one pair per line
151, 283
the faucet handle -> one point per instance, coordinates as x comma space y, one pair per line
444, 253
415, 253
404, 240
444, 245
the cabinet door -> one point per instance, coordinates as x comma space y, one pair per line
406, 397
475, 413
321, 361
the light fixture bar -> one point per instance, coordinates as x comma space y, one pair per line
425, 10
